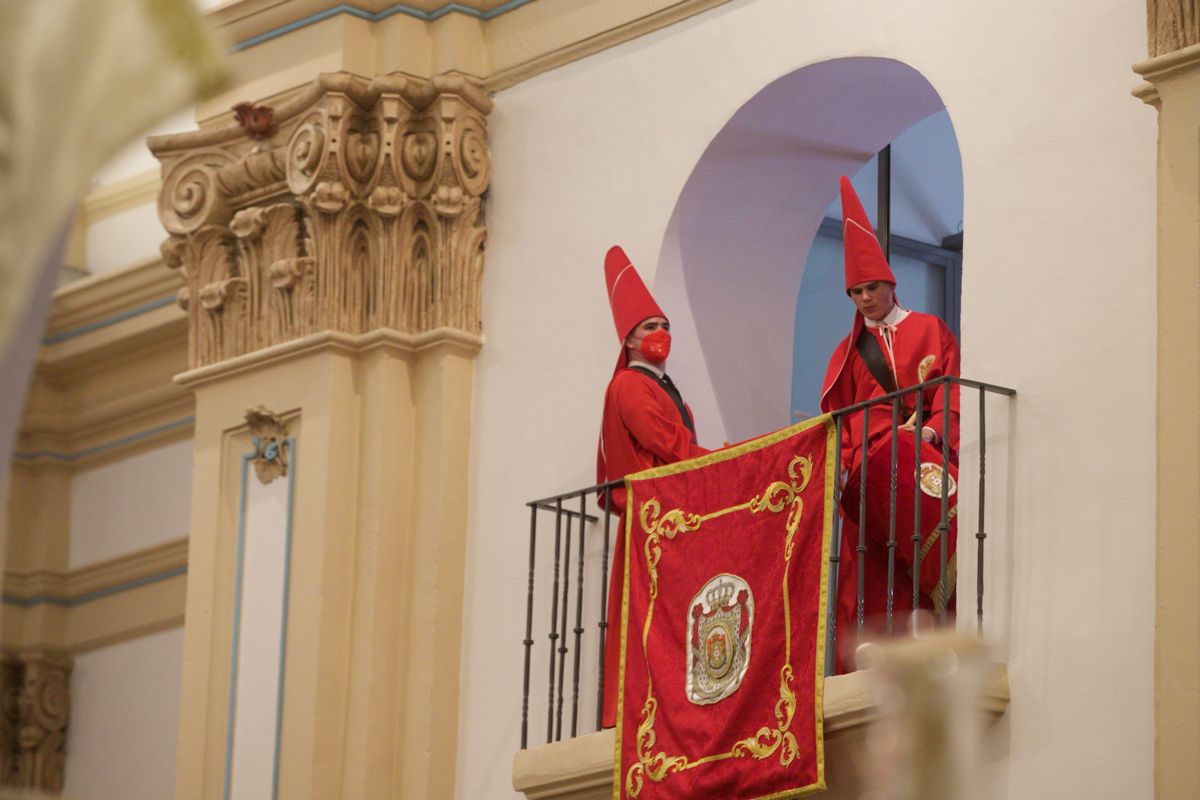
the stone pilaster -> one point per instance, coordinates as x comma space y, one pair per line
1173, 88
331, 255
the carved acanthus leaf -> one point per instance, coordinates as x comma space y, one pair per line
362, 210
1172, 25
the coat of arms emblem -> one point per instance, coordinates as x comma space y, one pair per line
932, 476
719, 638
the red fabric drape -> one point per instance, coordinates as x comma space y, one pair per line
722, 625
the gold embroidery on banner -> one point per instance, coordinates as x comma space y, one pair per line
767, 741
654, 766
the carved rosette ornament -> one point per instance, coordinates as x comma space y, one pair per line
34, 711
362, 210
271, 451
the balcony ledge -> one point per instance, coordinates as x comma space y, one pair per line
582, 768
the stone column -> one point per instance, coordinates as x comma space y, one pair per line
331, 254
1173, 88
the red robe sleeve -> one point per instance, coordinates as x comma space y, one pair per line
949, 366
655, 425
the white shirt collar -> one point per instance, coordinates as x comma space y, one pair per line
893, 318
648, 367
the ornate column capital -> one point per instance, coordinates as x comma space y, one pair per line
358, 206
34, 710
1171, 25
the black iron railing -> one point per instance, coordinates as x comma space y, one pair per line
575, 527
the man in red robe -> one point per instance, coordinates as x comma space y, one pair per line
890, 348
646, 424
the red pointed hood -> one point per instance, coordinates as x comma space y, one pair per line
863, 255
864, 262
631, 301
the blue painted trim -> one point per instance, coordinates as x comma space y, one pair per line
113, 320
237, 625
390, 11
293, 464
68, 602
100, 448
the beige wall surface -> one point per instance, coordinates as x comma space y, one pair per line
124, 715
1058, 302
134, 158
134, 503
125, 238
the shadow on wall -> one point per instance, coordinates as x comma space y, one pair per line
734, 251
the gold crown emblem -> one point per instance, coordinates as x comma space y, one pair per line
720, 595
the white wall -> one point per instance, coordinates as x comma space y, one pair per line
135, 158
124, 239
127, 505
124, 715
1058, 166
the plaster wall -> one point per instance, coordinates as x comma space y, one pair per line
127, 505
134, 158
1058, 302
124, 715
124, 239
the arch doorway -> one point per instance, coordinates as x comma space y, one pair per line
735, 264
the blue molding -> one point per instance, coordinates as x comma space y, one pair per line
237, 617
237, 626
68, 458
69, 602
287, 580
113, 320
376, 16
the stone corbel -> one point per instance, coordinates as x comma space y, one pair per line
360, 209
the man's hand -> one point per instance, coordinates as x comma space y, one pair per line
927, 434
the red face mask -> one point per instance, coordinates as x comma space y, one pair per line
656, 346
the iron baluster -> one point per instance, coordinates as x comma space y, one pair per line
562, 639
835, 552
862, 518
944, 519
528, 640
603, 607
916, 536
891, 574
578, 622
554, 620
980, 536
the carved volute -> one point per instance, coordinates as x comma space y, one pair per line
362, 210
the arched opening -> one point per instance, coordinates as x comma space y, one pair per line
737, 248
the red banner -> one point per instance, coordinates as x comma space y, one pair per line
723, 622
